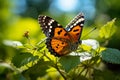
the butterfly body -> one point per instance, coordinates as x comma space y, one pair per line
62, 41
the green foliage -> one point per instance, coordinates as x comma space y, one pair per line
111, 55
72, 61
37, 70
108, 30
21, 59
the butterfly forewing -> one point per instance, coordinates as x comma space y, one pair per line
48, 25
78, 20
75, 26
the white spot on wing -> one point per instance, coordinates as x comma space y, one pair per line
81, 24
43, 23
69, 29
58, 24
74, 24
44, 17
49, 30
71, 26
51, 21
81, 19
50, 26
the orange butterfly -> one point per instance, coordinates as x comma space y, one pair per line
62, 41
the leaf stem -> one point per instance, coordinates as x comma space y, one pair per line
56, 66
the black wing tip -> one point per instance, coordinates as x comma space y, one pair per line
81, 15
40, 17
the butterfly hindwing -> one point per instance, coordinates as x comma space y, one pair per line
57, 47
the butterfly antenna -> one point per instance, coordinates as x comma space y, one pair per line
90, 31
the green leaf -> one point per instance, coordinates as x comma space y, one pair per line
21, 59
103, 75
108, 30
111, 55
12, 73
69, 62
38, 70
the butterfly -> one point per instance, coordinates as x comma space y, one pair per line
61, 41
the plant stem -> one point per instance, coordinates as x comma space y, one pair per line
56, 66
81, 72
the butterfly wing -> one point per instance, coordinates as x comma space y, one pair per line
60, 41
58, 47
57, 36
75, 27
48, 25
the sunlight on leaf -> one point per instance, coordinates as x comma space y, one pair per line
108, 30
51, 57
101, 49
5, 65
12, 43
53, 73
86, 47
